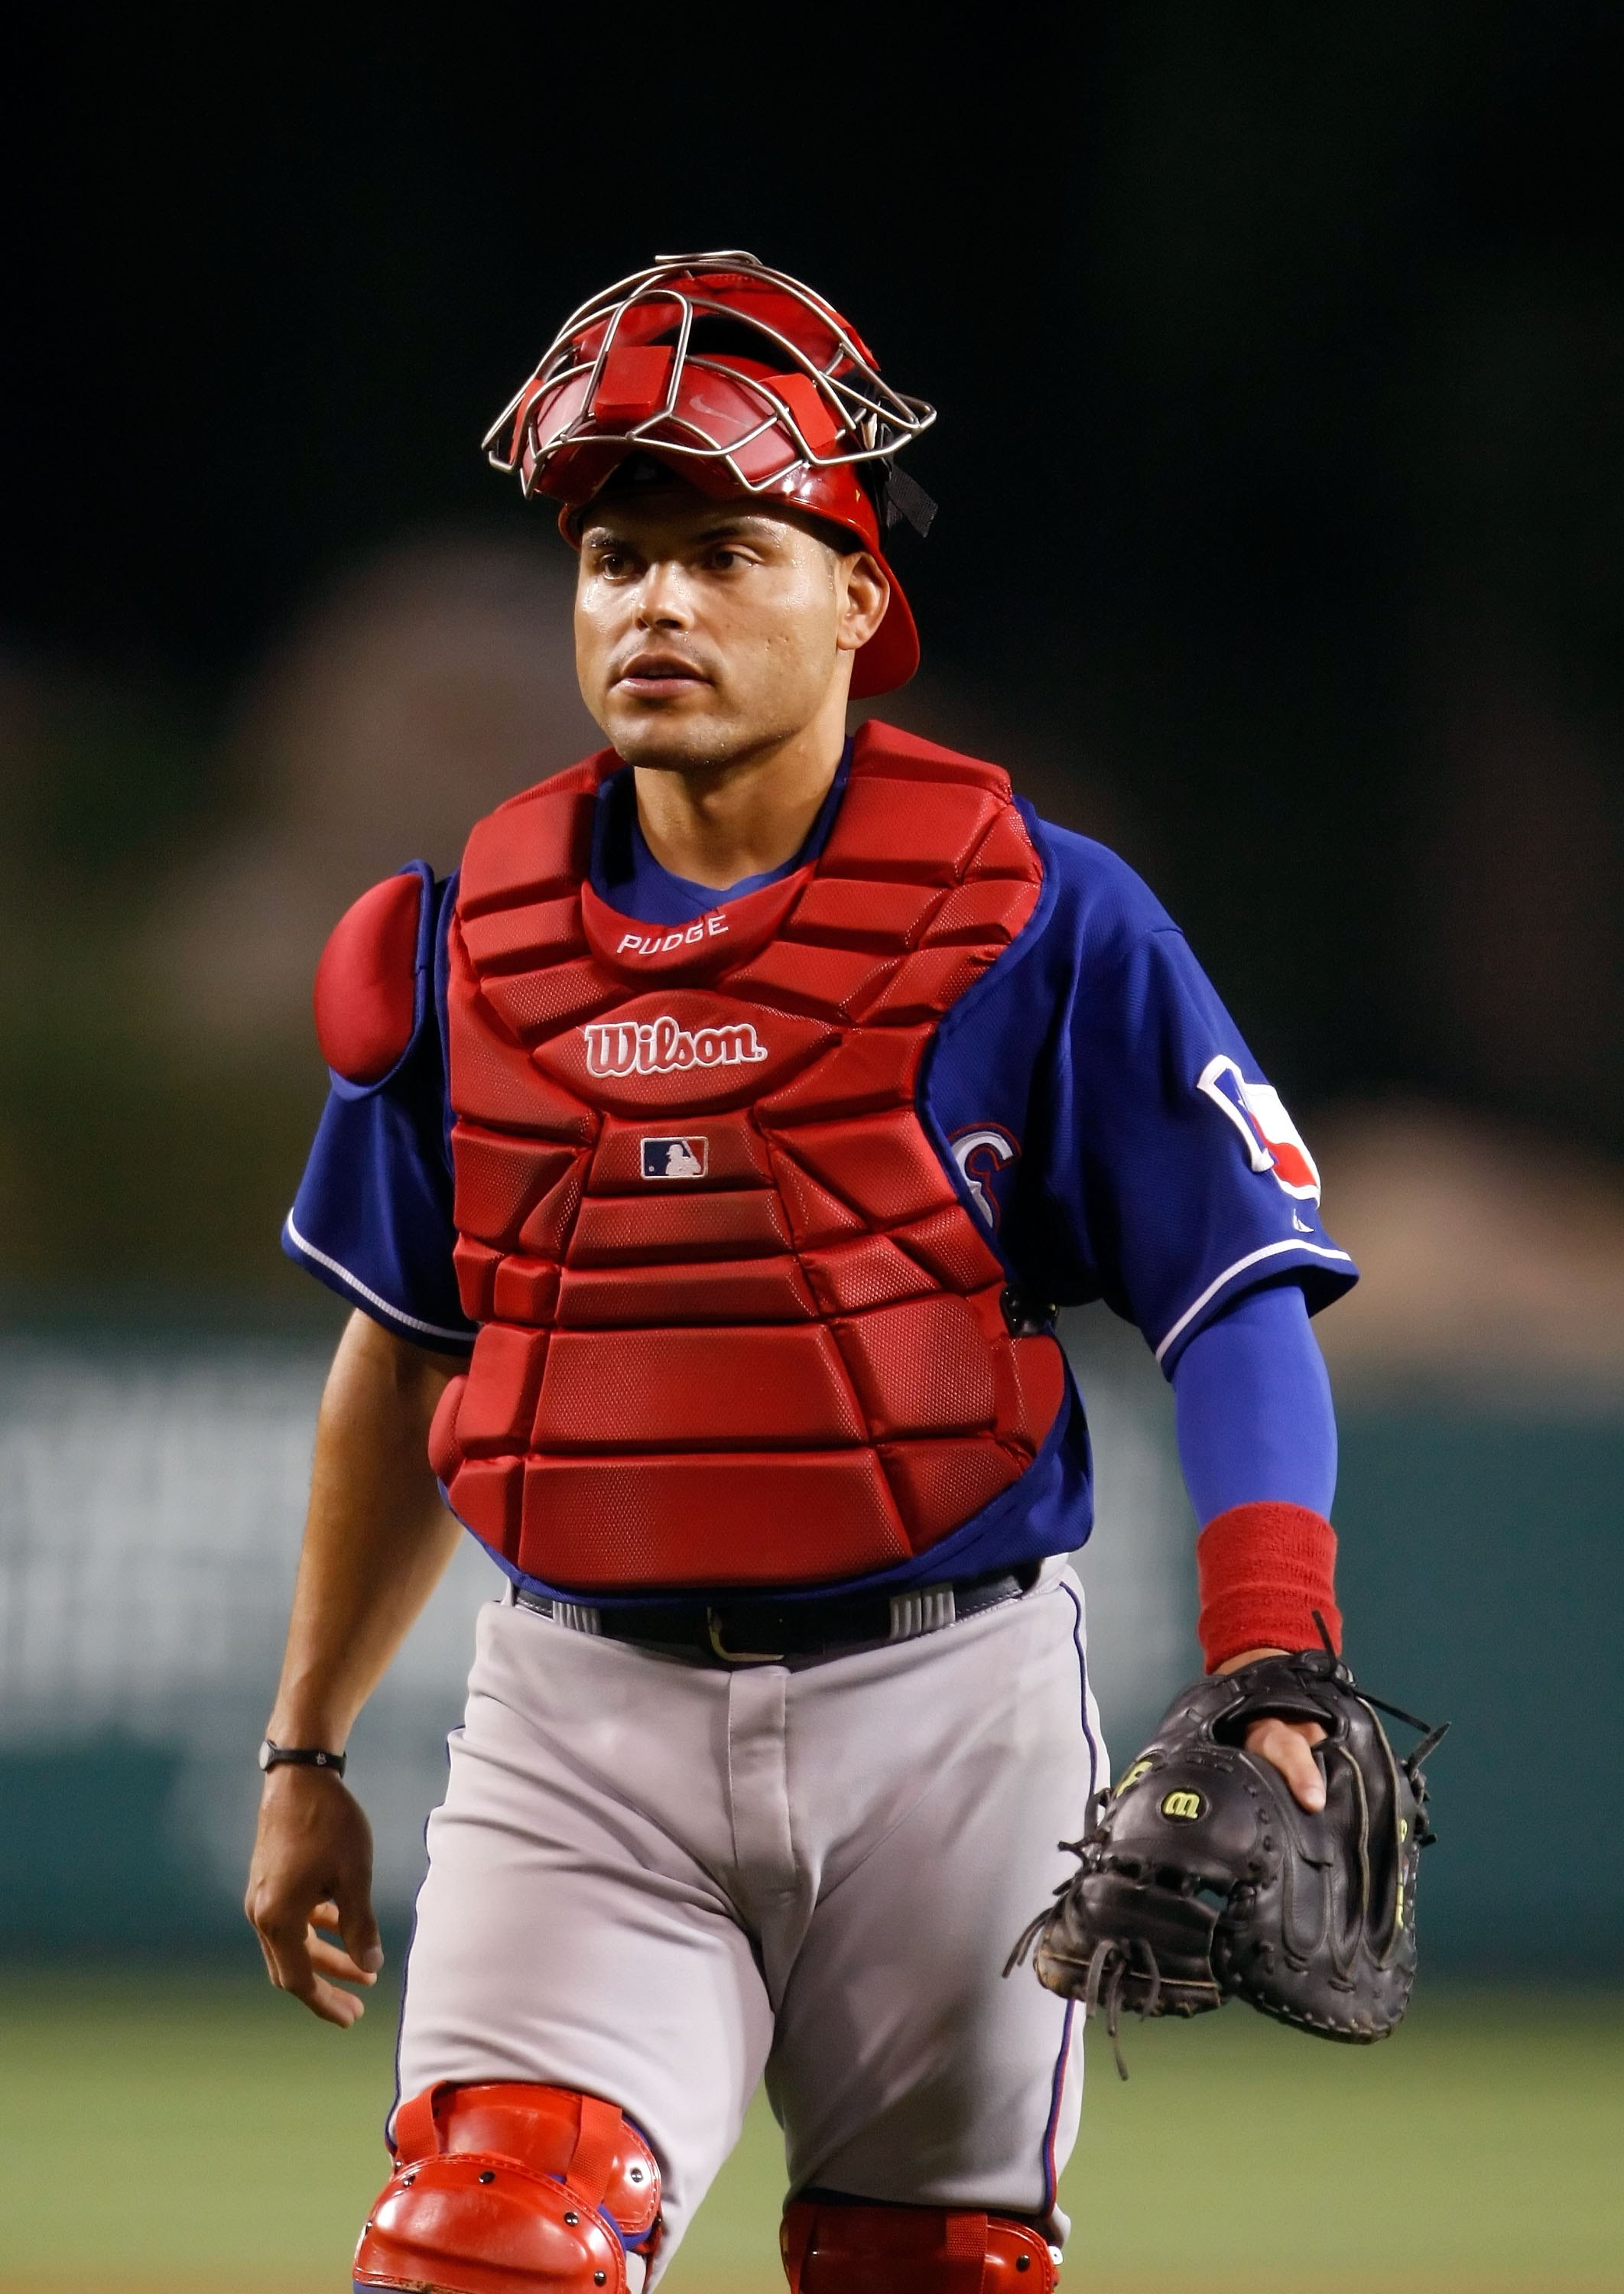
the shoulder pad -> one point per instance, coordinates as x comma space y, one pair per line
907, 756
366, 993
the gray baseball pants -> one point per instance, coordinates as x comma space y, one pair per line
658, 1882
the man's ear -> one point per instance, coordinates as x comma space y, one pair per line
867, 594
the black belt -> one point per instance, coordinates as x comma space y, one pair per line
751, 1631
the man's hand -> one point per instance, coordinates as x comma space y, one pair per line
312, 1869
1286, 1743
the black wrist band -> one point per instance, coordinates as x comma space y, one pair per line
299, 1756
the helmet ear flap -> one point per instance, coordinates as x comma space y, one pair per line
891, 655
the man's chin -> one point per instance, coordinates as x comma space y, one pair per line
680, 740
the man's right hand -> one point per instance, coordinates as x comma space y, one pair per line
312, 1869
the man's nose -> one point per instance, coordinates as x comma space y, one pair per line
662, 602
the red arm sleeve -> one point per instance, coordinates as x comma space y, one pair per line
1264, 1569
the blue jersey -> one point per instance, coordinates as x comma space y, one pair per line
1092, 1099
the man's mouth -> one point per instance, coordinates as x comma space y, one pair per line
655, 676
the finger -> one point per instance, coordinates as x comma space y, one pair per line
1285, 1750
285, 1938
358, 1927
294, 1972
330, 1959
341, 2008
288, 1957
329, 2003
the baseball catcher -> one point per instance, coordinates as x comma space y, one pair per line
705, 1162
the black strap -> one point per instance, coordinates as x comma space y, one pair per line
300, 1756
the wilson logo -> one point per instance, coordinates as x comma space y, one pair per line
623, 1047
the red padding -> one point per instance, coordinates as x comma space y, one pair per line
1265, 1568
477, 2222
444, 1450
578, 2138
366, 982
852, 2248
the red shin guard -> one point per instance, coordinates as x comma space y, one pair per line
857, 2249
510, 2189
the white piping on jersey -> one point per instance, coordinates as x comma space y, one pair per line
1268, 1251
396, 1313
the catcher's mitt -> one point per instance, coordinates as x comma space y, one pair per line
1202, 1878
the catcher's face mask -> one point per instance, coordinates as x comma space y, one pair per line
744, 381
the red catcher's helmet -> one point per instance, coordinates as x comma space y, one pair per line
746, 382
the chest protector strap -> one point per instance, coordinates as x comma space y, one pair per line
738, 1326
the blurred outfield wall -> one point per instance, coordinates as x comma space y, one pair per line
151, 1490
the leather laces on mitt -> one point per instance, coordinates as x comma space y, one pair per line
1202, 1879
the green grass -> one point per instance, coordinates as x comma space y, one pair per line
203, 2134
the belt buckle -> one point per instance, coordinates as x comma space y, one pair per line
713, 1628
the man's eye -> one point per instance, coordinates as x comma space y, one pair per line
724, 559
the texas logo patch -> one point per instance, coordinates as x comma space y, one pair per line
1272, 1140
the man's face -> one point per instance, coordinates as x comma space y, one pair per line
708, 630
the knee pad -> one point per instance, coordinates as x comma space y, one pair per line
874, 2249
512, 2190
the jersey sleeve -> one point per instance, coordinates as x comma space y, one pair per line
1256, 1421
1172, 1179
373, 1217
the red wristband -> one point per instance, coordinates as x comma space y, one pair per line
1264, 1569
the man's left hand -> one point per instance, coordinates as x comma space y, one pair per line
1286, 1743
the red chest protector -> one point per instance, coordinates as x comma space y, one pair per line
739, 1328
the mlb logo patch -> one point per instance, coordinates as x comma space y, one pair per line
687, 1158
1272, 1140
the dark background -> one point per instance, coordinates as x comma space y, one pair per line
1280, 466
1278, 353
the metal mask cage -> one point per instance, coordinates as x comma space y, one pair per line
830, 406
